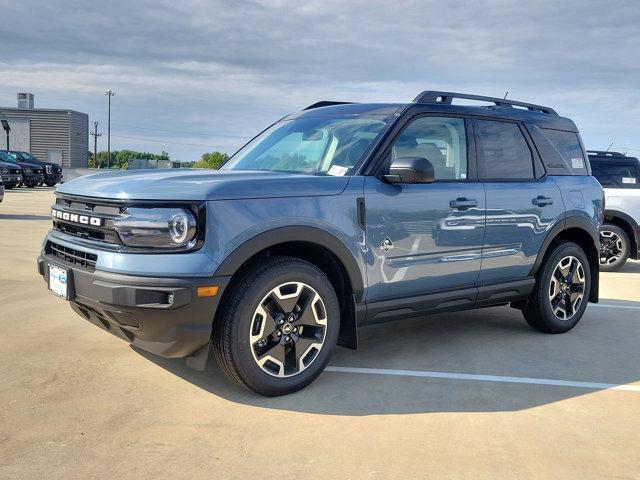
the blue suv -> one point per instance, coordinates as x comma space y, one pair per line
338, 216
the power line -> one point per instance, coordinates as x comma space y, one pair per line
179, 132
146, 139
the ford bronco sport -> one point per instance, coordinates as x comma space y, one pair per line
620, 234
334, 217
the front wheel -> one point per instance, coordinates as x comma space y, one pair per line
276, 332
614, 248
561, 294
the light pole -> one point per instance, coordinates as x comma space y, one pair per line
109, 93
7, 129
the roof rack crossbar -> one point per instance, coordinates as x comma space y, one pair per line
605, 153
325, 103
433, 96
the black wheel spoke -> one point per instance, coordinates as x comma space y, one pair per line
265, 345
576, 288
303, 308
290, 359
555, 303
568, 306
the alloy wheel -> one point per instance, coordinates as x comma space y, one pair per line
288, 329
566, 289
611, 247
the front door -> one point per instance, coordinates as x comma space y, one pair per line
425, 238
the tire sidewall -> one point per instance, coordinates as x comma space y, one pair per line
561, 251
243, 359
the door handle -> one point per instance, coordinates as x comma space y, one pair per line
463, 203
541, 201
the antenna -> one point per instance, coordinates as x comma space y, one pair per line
610, 145
505, 95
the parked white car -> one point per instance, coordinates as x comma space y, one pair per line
620, 234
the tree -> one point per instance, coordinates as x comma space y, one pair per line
211, 160
120, 158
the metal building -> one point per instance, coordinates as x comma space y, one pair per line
56, 135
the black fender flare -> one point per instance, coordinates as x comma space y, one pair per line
584, 225
295, 233
622, 216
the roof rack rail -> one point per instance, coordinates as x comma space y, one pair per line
432, 96
325, 103
605, 153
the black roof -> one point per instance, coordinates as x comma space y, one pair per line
441, 102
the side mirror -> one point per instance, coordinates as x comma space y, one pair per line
410, 170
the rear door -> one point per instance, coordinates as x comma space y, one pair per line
523, 204
426, 238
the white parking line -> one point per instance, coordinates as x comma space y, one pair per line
484, 378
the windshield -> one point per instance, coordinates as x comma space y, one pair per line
7, 157
27, 156
315, 146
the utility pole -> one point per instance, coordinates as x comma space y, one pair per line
95, 136
109, 93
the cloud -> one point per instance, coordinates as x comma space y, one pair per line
212, 68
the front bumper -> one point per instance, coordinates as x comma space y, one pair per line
53, 177
31, 178
11, 180
160, 315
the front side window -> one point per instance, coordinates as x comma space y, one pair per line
503, 152
440, 140
615, 174
314, 146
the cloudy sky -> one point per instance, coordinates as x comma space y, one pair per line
192, 75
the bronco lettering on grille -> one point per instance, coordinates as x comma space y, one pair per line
76, 218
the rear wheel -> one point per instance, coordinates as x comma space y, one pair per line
561, 294
276, 332
614, 247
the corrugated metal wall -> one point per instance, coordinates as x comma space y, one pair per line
78, 139
64, 130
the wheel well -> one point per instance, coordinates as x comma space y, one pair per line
325, 260
585, 241
628, 229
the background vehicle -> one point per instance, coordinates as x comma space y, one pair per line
337, 216
620, 234
1, 190
32, 174
11, 174
52, 171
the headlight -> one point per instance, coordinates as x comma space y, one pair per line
48, 169
156, 227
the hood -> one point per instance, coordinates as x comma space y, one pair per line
195, 184
9, 165
31, 165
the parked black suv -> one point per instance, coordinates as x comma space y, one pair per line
52, 171
32, 174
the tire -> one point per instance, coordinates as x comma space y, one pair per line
539, 312
261, 361
31, 185
50, 184
8, 187
615, 247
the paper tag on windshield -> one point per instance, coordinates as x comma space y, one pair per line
337, 170
577, 162
628, 180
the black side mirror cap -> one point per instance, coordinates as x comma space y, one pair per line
410, 170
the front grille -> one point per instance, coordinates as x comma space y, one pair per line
76, 208
71, 256
14, 170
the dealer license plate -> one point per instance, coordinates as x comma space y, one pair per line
59, 281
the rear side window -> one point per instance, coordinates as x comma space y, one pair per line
503, 152
568, 145
616, 174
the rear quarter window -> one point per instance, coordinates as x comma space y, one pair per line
569, 147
